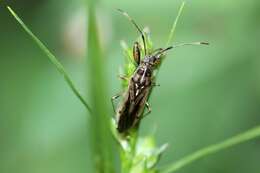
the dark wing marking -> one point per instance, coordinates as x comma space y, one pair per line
130, 112
133, 104
124, 120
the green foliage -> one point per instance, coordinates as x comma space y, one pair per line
52, 59
129, 66
204, 152
138, 154
172, 32
100, 136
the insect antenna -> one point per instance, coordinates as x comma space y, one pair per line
137, 27
179, 45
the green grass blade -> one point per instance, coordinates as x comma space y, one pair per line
101, 141
52, 58
172, 32
233, 141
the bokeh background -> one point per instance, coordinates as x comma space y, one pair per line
207, 94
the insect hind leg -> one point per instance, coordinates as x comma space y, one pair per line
155, 84
149, 109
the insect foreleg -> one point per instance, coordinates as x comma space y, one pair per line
123, 77
114, 98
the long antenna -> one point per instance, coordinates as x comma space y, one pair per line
137, 27
181, 44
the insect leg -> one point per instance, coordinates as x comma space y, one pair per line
114, 98
137, 52
155, 84
147, 105
123, 77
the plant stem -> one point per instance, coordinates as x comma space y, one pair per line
240, 138
52, 58
101, 137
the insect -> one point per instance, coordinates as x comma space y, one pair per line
131, 109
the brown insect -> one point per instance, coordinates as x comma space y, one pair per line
131, 109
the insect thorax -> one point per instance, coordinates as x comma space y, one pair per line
142, 75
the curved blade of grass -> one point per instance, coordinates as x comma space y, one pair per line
52, 58
233, 141
171, 35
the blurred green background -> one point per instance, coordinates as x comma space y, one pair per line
207, 94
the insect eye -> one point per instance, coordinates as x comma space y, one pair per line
153, 59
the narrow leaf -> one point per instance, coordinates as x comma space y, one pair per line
172, 32
52, 58
212, 149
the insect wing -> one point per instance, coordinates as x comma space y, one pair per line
132, 107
